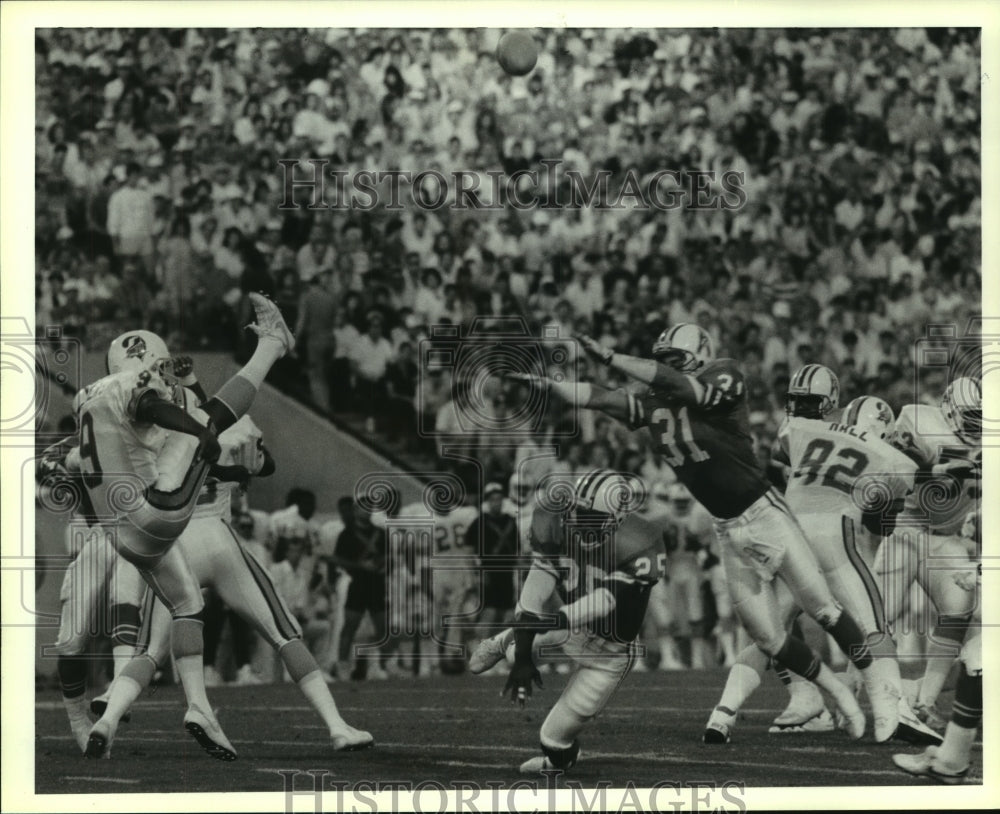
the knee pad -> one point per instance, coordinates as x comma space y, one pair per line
562, 758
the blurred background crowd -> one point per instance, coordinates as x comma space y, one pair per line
158, 188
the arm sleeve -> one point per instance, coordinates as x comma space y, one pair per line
594, 605
152, 409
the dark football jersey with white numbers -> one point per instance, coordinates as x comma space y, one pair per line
628, 563
709, 447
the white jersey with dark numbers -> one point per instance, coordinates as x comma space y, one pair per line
112, 440
923, 434
838, 469
242, 445
448, 540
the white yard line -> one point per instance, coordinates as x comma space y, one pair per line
651, 757
123, 781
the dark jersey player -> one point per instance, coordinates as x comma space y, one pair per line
585, 597
696, 410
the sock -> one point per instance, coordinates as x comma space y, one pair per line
318, 694
72, 676
122, 655
783, 674
76, 709
966, 716
851, 640
943, 648
798, 657
742, 681
123, 693
186, 643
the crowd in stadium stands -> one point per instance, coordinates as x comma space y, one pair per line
158, 187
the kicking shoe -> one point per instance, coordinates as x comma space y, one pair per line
206, 730
488, 653
804, 705
818, 723
929, 715
912, 730
352, 740
849, 716
245, 676
81, 732
542, 763
99, 740
99, 704
927, 764
270, 323
719, 727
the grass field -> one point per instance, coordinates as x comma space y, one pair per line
449, 729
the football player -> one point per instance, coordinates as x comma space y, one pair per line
945, 444
141, 480
452, 568
689, 536
950, 762
98, 585
585, 598
219, 561
843, 475
696, 409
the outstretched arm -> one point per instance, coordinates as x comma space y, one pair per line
153, 409
671, 384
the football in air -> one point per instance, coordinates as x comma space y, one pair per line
517, 53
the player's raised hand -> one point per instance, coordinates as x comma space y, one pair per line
210, 448
519, 682
183, 366
595, 348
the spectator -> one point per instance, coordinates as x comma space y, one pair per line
372, 354
130, 219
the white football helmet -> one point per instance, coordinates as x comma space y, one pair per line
962, 405
872, 415
813, 392
686, 347
602, 499
136, 350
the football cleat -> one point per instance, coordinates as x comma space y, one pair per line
100, 703
719, 727
352, 740
926, 764
929, 715
270, 323
849, 715
99, 740
822, 722
488, 653
804, 704
911, 729
209, 734
537, 764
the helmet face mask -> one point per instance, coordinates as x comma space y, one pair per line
962, 406
813, 392
601, 501
685, 347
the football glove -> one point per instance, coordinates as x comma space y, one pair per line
522, 675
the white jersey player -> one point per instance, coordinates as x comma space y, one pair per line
142, 481
944, 442
452, 568
219, 561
